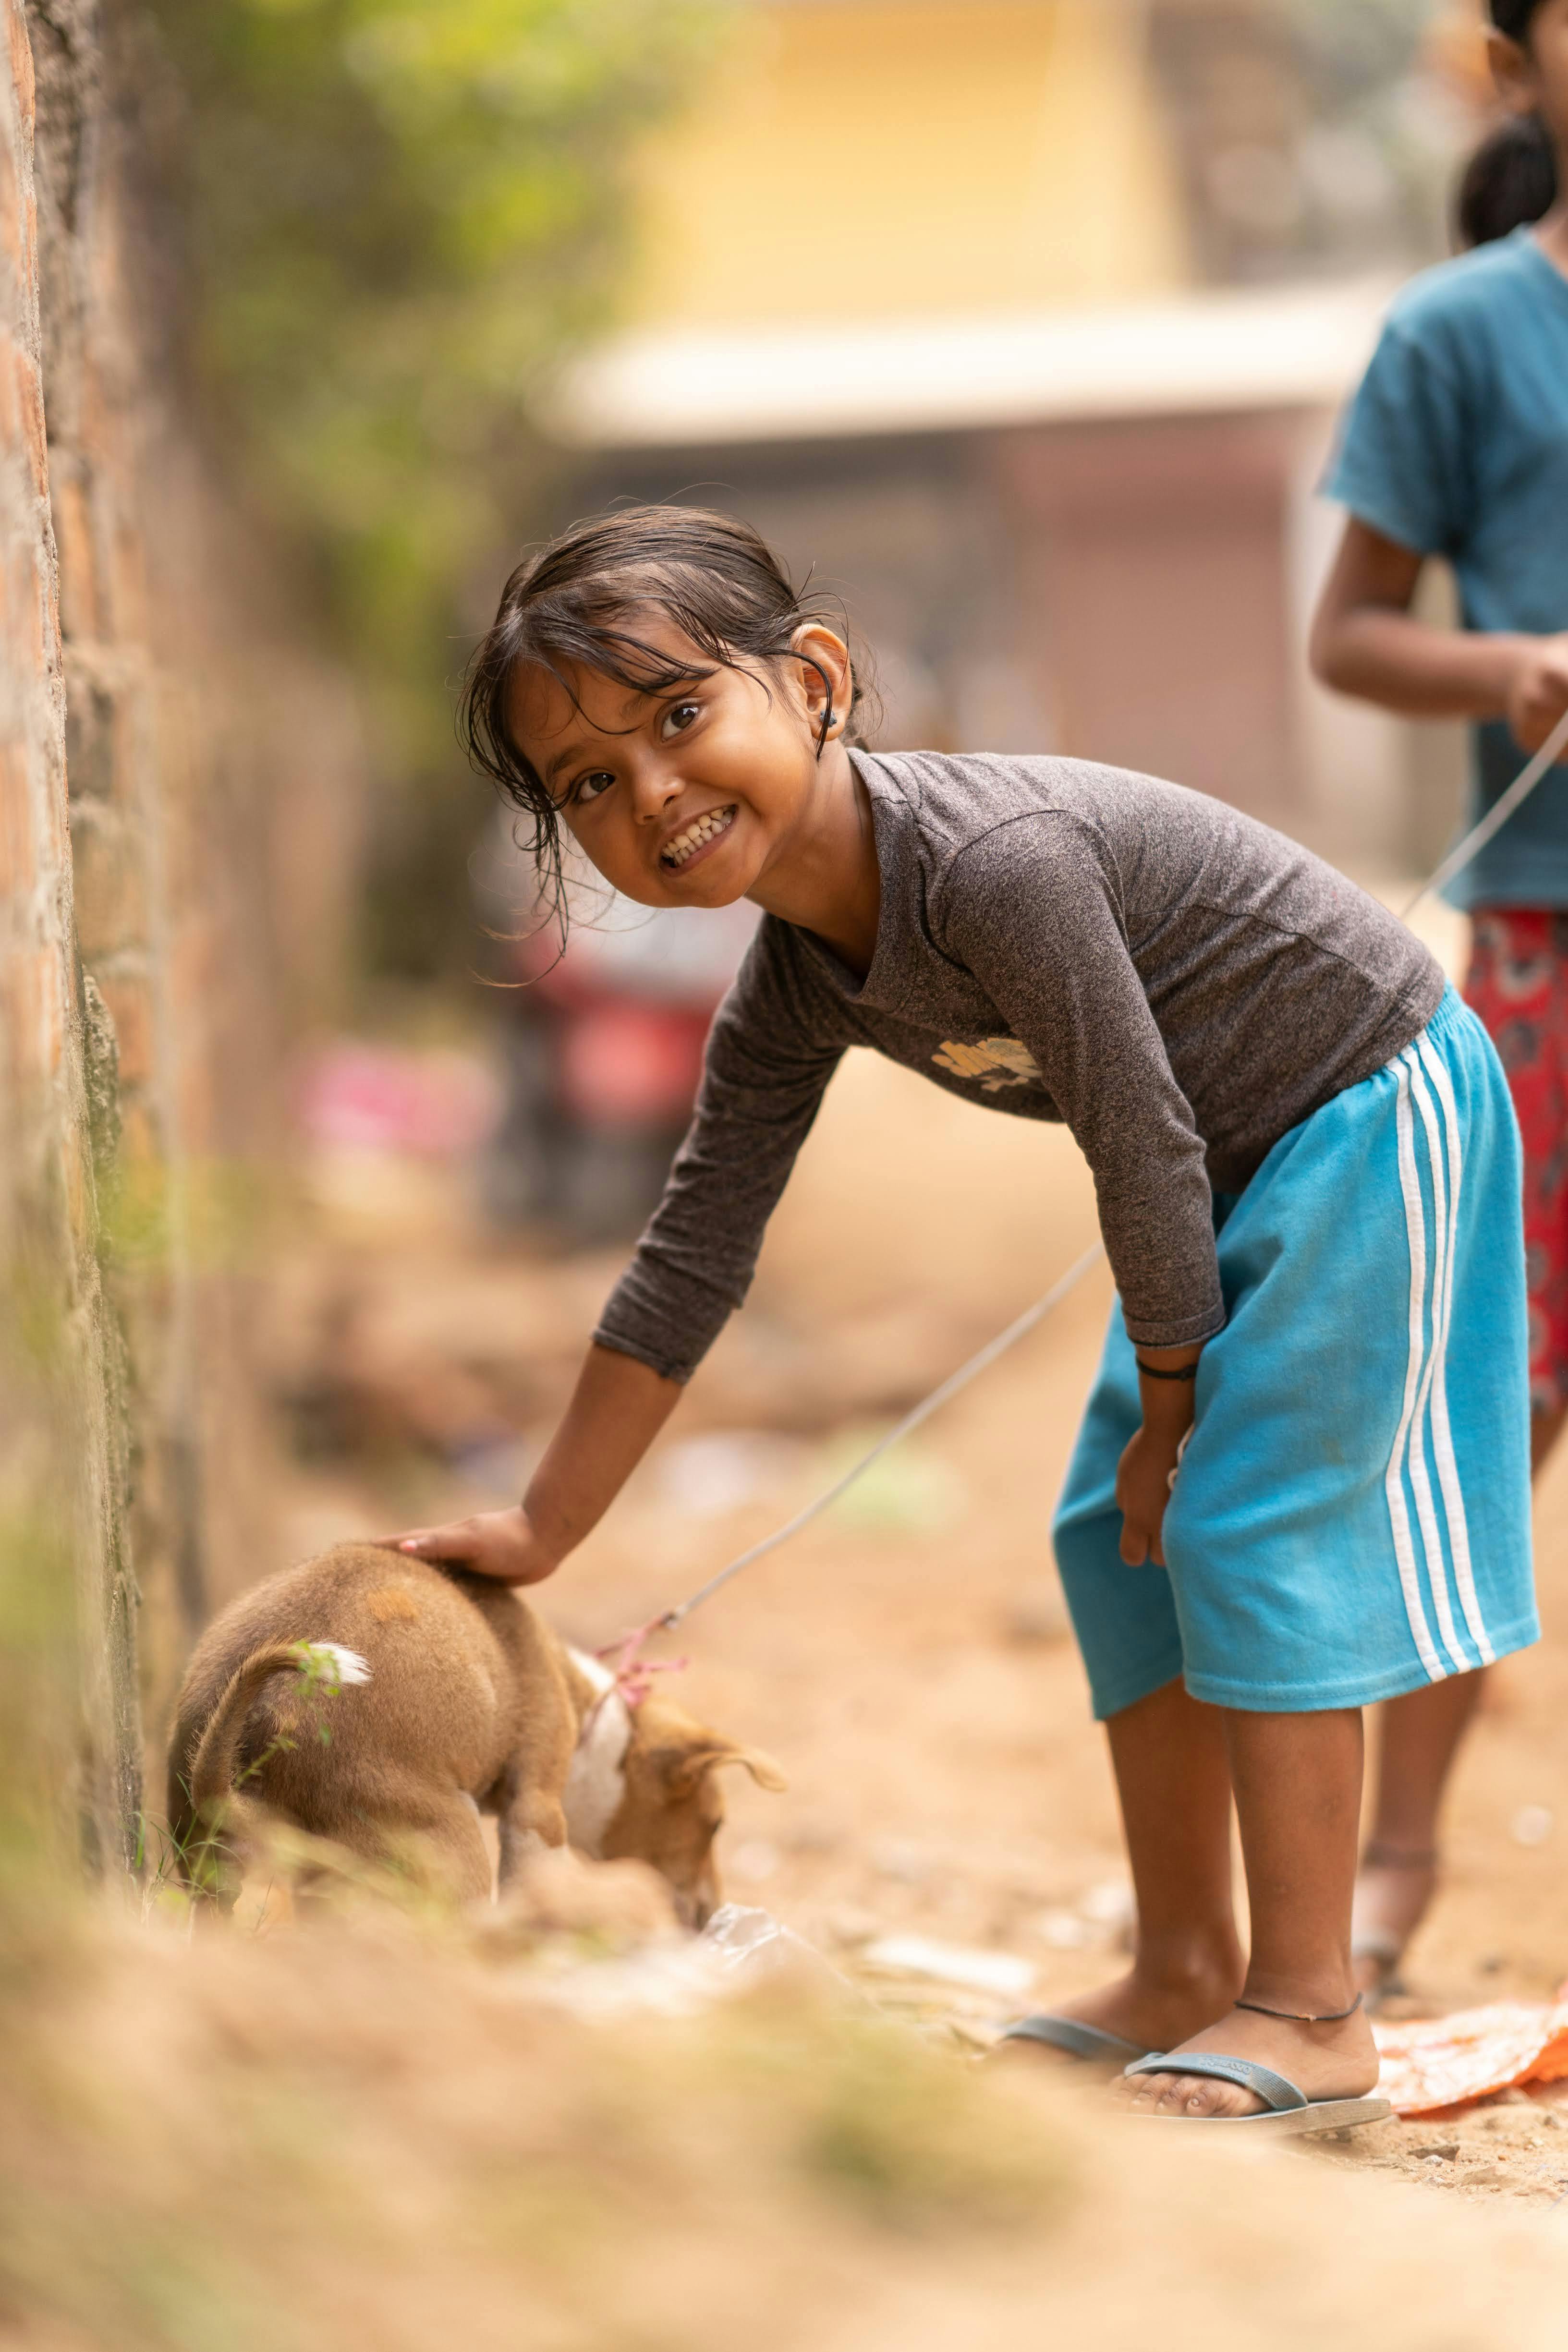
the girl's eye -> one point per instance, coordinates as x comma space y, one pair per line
679, 718
593, 787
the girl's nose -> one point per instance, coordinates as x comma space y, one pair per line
653, 792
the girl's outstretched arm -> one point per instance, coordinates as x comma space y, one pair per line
1367, 641
776, 1041
617, 1409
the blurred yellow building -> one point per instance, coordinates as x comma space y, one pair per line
1005, 317
854, 159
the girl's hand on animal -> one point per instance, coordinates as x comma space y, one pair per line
1538, 695
499, 1544
617, 1409
1142, 1491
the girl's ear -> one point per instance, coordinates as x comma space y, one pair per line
827, 679
1514, 71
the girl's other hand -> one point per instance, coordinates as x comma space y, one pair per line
499, 1544
1538, 696
1142, 1491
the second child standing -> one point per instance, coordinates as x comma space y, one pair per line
1457, 447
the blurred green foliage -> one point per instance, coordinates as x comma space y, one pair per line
398, 214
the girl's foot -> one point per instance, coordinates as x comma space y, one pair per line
1330, 2061
1393, 1888
1154, 2011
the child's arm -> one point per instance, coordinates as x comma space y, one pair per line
772, 1049
617, 1409
1365, 642
1148, 1464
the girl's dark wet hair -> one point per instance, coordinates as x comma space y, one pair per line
577, 601
1511, 178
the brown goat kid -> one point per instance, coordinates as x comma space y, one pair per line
372, 1699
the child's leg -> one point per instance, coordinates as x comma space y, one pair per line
1348, 1525
1297, 1794
1420, 1737
1172, 1779
1518, 985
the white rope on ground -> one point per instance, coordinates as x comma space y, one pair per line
1458, 857
987, 1356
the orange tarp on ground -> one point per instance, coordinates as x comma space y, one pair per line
1450, 2062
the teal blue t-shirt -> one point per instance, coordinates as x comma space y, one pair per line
1456, 445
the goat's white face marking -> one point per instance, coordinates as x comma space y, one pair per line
596, 1780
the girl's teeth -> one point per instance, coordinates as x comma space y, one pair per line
705, 828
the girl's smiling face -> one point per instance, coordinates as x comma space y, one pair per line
687, 795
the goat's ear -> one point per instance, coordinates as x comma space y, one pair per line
761, 1765
683, 1768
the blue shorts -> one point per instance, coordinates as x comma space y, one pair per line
1351, 1517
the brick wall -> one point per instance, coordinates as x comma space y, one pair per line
179, 783
48, 1187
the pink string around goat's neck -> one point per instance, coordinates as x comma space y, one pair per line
631, 1674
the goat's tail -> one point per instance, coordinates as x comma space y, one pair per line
202, 1789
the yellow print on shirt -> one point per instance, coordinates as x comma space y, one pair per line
997, 1062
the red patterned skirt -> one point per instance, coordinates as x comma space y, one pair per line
1518, 983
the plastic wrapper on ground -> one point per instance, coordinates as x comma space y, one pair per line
1437, 2065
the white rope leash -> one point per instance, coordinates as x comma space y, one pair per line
987, 1356
1496, 817
1458, 857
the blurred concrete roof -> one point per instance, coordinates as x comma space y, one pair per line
1278, 347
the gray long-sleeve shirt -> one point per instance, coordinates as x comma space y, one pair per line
1177, 982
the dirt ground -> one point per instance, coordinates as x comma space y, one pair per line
367, 2134
906, 1660
389, 2125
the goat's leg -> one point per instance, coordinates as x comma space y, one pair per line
437, 1832
530, 1821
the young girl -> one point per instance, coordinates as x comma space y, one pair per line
1457, 446
1308, 1179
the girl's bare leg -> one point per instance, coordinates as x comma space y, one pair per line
1174, 1783
1421, 1736
1298, 1796
1398, 1875
1545, 1429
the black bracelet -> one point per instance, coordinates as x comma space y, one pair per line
1159, 1372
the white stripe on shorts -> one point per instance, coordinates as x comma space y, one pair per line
1426, 1402
1394, 1477
1431, 1541
1442, 1434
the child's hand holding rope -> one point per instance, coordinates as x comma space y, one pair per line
1538, 690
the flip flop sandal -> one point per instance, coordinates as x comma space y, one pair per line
1089, 2044
1289, 2110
